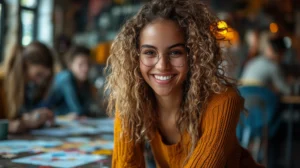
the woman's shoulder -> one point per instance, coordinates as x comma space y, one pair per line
223, 107
63, 76
230, 93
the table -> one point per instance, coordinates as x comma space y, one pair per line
290, 101
29, 136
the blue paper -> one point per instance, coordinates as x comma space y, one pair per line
59, 159
19, 146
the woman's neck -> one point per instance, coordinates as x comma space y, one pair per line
79, 83
170, 104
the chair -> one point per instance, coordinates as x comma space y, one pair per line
259, 124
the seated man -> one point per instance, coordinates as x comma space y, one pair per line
265, 70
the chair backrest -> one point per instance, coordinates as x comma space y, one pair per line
261, 104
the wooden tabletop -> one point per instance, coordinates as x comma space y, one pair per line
290, 99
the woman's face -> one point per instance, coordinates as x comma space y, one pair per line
80, 67
38, 73
163, 39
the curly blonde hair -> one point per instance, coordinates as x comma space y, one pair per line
133, 97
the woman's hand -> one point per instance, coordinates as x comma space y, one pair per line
32, 120
38, 118
71, 116
46, 116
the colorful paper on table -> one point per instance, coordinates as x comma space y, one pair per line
78, 127
59, 159
87, 148
105, 129
14, 146
103, 152
108, 137
66, 123
84, 130
19, 146
51, 132
78, 139
47, 144
98, 122
108, 145
62, 132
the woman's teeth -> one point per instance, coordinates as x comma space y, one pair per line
163, 78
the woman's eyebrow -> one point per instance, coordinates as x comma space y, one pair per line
148, 46
172, 46
176, 45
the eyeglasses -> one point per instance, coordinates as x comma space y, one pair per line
151, 57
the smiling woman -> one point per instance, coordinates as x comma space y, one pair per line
167, 86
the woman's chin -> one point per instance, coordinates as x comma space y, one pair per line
162, 92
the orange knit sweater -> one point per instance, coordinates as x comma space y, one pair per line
217, 147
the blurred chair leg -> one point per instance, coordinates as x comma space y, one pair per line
289, 147
265, 146
246, 137
256, 148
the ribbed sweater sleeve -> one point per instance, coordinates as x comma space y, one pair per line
217, 139
126, 153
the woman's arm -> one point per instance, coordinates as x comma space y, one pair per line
31, 120
16, 126
126, 153
218, 138
279, 81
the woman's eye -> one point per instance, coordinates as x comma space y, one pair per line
175, 53
149, 52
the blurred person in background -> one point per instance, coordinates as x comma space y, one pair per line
28, 76
71, 92
252, 41
248, 50
239, 52
265, 70
62, 45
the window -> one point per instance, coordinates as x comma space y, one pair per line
29, 3
28, 12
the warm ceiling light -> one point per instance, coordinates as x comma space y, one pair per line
222, 27
273, 27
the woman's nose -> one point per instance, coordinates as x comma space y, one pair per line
163, 63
